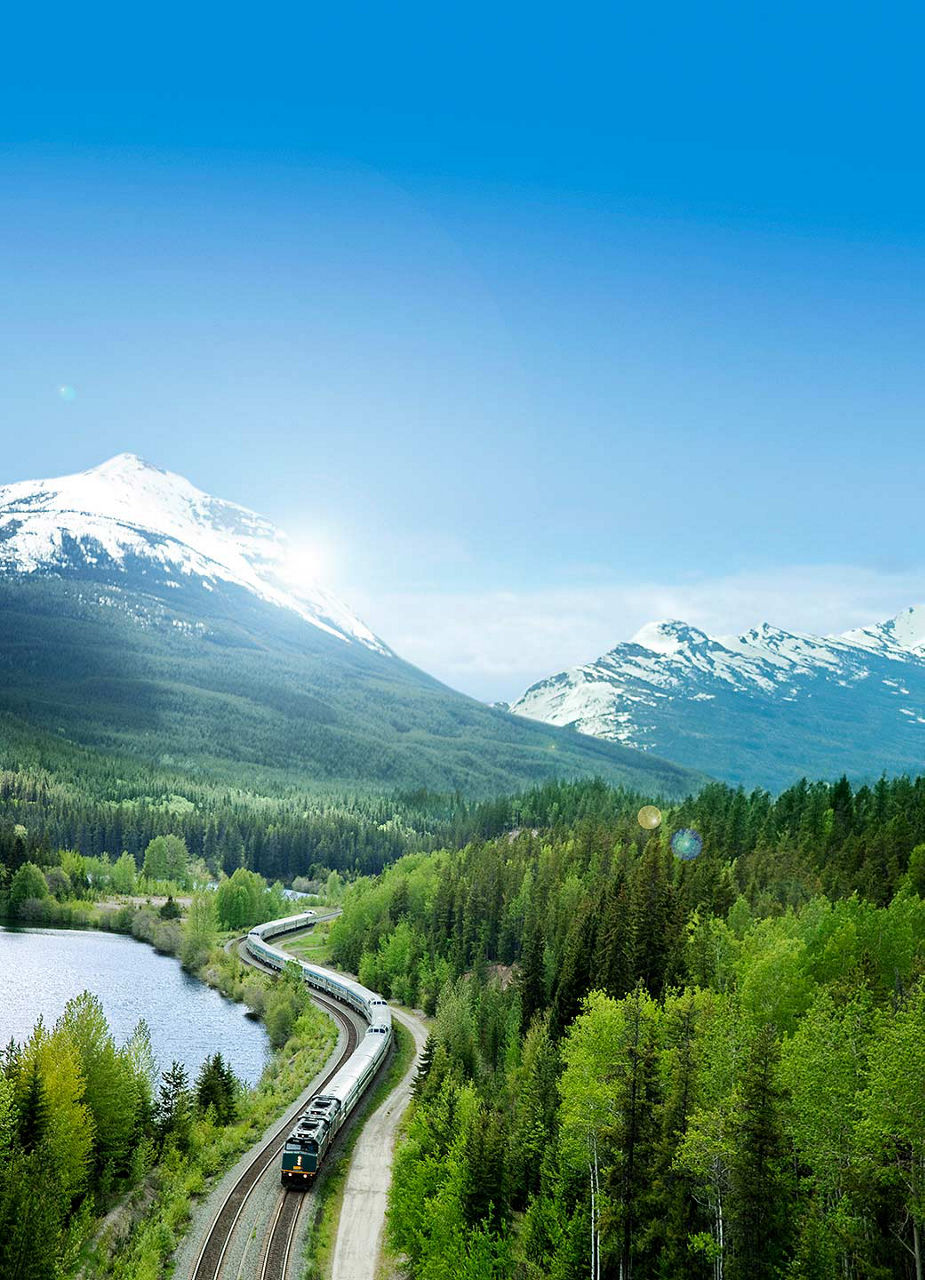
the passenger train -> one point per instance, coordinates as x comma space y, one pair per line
316, 1127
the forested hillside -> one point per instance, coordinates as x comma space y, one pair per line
221, 685
703, 1068
56, 795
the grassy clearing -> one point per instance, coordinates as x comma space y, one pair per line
329, 1193
313, 946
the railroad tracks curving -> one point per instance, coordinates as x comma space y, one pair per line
211, 1257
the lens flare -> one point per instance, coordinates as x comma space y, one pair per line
304, 564
686, 843
67, 394
649, 817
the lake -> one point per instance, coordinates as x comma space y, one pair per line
41, 969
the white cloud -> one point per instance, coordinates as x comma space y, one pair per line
494, 644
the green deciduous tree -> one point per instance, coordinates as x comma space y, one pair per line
608, 1098
166, 858
824, 1068
893, 1113
200, 930
27, 884
123, 874
111, 1090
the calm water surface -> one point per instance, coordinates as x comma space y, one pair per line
41, 969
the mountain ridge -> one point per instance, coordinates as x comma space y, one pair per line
850, 703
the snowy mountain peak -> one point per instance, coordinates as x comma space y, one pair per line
124, 463
127, 511
904, 633
668, 636
767, 706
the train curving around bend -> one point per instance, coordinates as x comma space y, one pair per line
317, 1126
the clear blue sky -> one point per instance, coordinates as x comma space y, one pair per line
542, 319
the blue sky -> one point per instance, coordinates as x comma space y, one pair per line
541, 321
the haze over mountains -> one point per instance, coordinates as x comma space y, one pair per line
140, 615
762, 709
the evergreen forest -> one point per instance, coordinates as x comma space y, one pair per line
648, 1058
643, 1066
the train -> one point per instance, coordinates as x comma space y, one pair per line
317, 1126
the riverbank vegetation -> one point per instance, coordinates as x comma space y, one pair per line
101, 1156
644, 1066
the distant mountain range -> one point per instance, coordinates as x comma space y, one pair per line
762, 709
140, 615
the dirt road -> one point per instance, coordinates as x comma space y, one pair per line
362, 1217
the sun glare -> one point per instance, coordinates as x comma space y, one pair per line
306, 563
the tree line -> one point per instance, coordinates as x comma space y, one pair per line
840, 837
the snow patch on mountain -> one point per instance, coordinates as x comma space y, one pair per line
694, 697
126, 509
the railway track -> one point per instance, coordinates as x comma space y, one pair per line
211, 1256
282, 1233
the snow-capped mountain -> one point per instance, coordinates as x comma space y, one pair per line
143, 618
764, 708
127, 515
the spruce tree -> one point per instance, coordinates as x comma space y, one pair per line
633, 1138
532, 976
612, 967
575, 973
676, 1215
425, 1063
33, 1110
174, 1106
216, 1087
484, 1198
761, 1185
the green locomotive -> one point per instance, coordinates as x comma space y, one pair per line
309, 1140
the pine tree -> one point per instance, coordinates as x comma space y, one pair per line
612, 968
532, 976
174, 1106
484, 1198
30, 1219
216, 1087
575, 973
10, 1060
533, 1126
761, 1185
33, 1110
675, 1214
654, 919
425, 1063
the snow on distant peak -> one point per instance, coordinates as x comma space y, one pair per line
767, 706
667, 636
900, 635
126, 507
